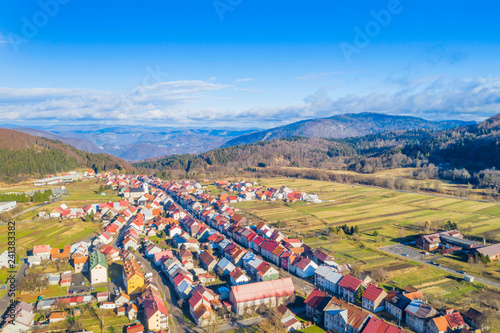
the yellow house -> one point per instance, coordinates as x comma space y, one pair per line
133, 277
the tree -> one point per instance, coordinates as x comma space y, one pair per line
33, 281
375, 233
359, 294
73, 324
341, 233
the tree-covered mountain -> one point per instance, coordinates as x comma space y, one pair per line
344, 126
466, 154
25, 155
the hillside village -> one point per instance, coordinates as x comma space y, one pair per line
175, 236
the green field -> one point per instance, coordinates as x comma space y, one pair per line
371, 209
49, 232
384, 211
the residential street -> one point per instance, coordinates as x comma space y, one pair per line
399, 249
170, 297
5, 300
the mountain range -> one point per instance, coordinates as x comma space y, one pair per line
135, 143
344, 126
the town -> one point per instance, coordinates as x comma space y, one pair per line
173, 257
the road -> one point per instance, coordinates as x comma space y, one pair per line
239, 324
5, 300
170, 297
399, 249
33, 208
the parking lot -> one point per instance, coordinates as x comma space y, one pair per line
410, 252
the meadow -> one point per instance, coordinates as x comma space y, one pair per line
389, 213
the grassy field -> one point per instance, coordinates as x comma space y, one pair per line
49, 232
387, 212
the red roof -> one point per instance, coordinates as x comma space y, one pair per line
376, 325
264, 289
350, 283
372, 292
135, 329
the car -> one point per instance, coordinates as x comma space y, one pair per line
82, 284
82, 290
404, 254
432, 262
461, 272
39, 298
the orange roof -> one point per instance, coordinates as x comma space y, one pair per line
441, 323
80, 260
57, 315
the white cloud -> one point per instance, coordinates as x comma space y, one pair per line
189, 102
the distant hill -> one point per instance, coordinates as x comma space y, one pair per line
456, 153
22, 154
344, 126
81, 144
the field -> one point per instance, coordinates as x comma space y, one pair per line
392, 214
49, 232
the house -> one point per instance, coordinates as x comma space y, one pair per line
238, 277
341, 316
200, 309
347, 288
376, 325
121, 311
133, 277
320, 257
450, 322
373, 298
107, 305
270, 293
121, 299
135, 329
57, 317
473, 317
151, 249
102, 296
207, 260
418, 314
65, 279
155, 312
492, 251
131, 311
43, 251
315, 305
79, 263
225, 267
305, 268
288, 319
395, 304
266, 272
327, 278
20, 319
98, 268
130, 243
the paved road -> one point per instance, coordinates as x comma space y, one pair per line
170, 296
399, 249
5, 300
239, 324
33, 208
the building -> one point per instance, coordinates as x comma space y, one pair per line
42, 251
133, 277
327, 278
271, 293
450, 322
445, 240
6, 206
315, 305
376, 325
79, 263
57, 317
155, 312
341, 316
207, 260
493, 251
21, 319
98, 268
348, 287
374, 298
395, 304
418, 314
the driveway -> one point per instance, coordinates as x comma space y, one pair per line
414, 254
239, 324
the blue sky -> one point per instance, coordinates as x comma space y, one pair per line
245, 63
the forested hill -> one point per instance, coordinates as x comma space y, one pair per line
344, 126
25, 155
456, 153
